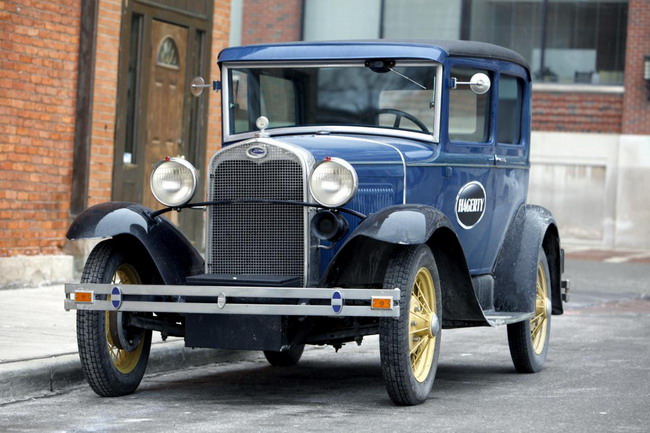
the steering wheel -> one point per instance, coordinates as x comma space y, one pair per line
399, 114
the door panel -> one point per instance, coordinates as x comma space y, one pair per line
164, 124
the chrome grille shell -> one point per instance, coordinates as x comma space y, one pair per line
259, 238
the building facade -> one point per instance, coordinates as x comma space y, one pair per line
94, 91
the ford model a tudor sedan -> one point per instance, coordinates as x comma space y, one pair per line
362, 188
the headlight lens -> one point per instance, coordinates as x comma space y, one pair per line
333, 182
173, 181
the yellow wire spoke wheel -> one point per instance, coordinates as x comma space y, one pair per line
113, 357
125, 361
538, 323
422, 309
528, 340
410, 344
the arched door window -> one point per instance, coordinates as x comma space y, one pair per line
168, 54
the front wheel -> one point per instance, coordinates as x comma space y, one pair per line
528, 340
113, 355
410, 345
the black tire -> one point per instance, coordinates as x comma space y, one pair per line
110, 370
285, 358
409, 376
528, 340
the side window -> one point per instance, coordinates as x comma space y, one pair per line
510, 105
468, 112
239, 119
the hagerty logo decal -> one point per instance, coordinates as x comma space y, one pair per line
470, 204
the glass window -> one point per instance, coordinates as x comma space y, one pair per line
239, 116
278, 101
565, 41
386, 94
468, 112
509, 114
585, 42
168, 54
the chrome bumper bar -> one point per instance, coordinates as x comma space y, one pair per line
293, 301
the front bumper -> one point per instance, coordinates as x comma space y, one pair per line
324, 302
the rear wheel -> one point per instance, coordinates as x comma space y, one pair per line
285, 358
528, 340
410, 345
113, 355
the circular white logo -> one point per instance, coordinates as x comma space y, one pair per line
470, 204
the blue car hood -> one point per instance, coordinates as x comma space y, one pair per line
363, 149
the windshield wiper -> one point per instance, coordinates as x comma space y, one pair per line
383, 66
404, 76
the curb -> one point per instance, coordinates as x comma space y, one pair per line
22, 380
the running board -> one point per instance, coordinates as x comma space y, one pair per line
500, 319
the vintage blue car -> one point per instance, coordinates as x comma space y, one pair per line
363, 187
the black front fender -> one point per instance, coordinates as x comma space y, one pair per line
364, 258
172, 253
408, 224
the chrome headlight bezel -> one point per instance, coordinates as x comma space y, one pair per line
188, 182
335, 171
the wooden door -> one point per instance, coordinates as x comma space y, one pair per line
166, 95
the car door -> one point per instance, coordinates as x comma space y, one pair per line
471, 175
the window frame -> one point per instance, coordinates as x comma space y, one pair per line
521, 82
491, 67
229, 136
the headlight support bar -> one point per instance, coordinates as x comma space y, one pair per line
258, 200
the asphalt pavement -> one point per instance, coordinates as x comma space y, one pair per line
38, 349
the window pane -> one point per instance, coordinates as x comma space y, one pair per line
584, 39
278, 99
355, 95
341, 19
468, 112
510, 100
239, 118
585, 42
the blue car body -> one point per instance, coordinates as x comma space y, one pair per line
428, 142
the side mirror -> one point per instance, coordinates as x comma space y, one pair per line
198, 84
479, 83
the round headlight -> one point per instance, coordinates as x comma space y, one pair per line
333, 182
173, 181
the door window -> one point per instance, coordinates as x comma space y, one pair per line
468, 112
510, 105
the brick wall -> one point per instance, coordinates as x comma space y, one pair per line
104, 101
220, 33
39, 42
577, 112
271, 21
636, 106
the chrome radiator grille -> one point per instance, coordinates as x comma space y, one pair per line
256, 238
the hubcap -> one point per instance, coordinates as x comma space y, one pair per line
538, 324
124, 361
423, 324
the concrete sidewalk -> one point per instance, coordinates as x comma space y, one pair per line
38, 346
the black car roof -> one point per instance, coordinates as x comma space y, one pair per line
371, 48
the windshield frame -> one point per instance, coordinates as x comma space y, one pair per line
292, 130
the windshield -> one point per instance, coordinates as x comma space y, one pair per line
380, 94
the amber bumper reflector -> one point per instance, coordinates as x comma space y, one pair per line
85, 297
381, 303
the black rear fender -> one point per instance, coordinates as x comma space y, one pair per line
515, 272
132, 226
